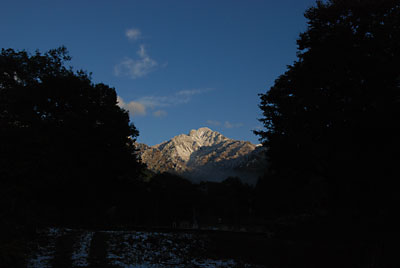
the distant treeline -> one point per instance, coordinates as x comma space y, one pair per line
170, 201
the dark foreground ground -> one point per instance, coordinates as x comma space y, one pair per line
57, 247
60, 247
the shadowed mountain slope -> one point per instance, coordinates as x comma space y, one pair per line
205, 155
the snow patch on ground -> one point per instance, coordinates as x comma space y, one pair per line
131, 249
153, 249
44, 252
81, 249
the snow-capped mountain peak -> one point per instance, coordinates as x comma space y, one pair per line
202, 154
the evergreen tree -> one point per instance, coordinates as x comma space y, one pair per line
332, 120
65, 144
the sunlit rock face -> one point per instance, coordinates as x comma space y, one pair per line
205, 155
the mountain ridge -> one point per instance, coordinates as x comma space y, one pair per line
205, 155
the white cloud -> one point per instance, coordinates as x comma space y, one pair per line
213, 123
159, 113
136, 68
141, 105
192, 92
228, 124
177, 98
163, 101
133, 34
134, 107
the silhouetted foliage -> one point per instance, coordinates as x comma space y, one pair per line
332, 120
66, 148
168, 200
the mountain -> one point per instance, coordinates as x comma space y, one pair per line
205, 155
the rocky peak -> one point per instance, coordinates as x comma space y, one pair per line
206, 137
183, 146
201, 132
202, 154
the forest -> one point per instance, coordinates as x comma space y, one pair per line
331, 128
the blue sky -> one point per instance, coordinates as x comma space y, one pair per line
176, 65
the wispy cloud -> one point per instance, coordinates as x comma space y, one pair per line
158, 103
136, 68
160, 113
177, 98
228, 124
213, 123
192, 92
135, 108
133, 34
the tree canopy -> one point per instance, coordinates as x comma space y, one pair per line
332, 119
64, 140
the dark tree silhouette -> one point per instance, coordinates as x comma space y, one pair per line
65, 144
332, 120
